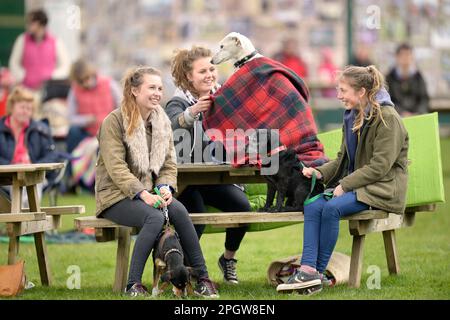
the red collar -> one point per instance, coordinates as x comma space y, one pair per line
276, 150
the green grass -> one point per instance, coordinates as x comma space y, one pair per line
423, 254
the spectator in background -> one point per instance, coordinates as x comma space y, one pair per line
37, 56
361, 57
327, 73
22, 139
6, 83
290, 58
406, 84
91, 98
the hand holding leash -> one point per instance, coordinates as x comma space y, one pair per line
308, 172
153, 200
166, 194
338, 191
164, 208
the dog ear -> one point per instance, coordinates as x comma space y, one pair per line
237, 41
166, 276
160, 263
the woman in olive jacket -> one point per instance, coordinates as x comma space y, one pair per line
136, 155
370, 172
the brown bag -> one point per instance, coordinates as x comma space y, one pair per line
280, 270
12, 279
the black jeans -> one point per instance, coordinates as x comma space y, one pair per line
227, 198
136, 213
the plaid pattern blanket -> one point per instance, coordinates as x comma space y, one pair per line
264, 94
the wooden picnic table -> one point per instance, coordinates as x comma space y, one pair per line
35, 219
205, 174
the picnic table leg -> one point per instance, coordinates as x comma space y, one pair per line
356, 261
13, 250
39, 239
390, 246
123, 254
16, 197
16, 205
41, 253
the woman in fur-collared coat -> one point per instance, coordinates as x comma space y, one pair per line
136, 155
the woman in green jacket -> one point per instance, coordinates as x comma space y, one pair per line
370, 172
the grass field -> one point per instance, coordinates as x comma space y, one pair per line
423, 253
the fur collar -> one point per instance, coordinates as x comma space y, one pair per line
137, 142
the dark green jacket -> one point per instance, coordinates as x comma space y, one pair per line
381, 175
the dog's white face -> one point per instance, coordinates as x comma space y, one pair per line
230, 48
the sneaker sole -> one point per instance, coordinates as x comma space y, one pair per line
287, 288
310, 291
213, 296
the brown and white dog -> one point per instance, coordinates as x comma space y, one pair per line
168, 265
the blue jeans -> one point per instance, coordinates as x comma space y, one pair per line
321, 227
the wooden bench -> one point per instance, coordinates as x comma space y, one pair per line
360, 225
424, 191
35, 220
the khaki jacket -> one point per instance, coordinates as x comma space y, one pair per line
128, 165
380, 177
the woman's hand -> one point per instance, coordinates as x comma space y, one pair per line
151, 199
202, 105
338, 191
166, 195
308, 172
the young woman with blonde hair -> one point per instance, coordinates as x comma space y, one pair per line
136, 155
369, 172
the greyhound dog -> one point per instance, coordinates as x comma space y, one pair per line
237, 48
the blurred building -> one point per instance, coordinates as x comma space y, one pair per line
116, 34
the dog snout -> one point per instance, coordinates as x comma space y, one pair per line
215, 59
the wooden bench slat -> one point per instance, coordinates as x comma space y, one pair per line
367, 215
21, 217
61, 210
233, 218
30, 227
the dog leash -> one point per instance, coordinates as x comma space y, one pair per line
308, 199
163, 210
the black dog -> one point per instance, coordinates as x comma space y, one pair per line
288, 182
168, 265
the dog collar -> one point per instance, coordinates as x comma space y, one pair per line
241, 62
170, 251
276, 150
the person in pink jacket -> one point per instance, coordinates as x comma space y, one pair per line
38, 56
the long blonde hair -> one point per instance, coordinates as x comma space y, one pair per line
133, 79
182, 65
370, 79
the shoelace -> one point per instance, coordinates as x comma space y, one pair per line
231, 269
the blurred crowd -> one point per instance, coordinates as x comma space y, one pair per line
52, 108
